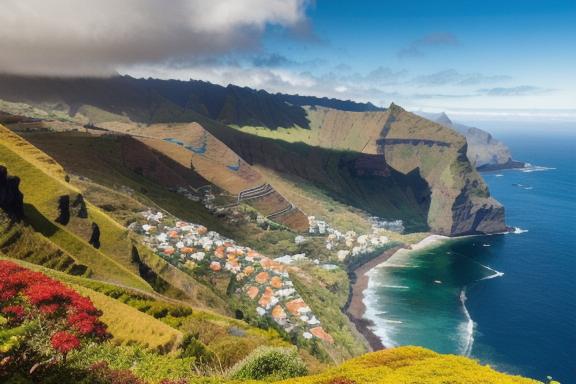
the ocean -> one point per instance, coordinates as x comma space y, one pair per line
506, 300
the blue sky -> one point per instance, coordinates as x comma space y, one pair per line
483, 59
444, 55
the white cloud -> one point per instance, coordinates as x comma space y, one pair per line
71, 37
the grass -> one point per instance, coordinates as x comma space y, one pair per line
22, 242
128, 325
41, 183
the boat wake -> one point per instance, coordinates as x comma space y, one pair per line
466, 328
496, 273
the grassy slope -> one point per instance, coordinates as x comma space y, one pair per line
126, 324
41, 186
22, 242
99, 159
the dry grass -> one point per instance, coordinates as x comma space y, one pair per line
129, 326
42, 182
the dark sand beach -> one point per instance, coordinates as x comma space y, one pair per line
356, 309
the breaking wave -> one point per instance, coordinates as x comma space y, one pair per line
535, 168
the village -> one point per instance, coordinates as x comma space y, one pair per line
264, 280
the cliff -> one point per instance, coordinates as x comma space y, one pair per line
484, 152
454, 198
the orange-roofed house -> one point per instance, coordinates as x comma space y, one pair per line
262, 277
294, 305
219, 252
276, 282
202, 230
173, 234
215, 266
249, 269
265, 262
321, 334
186, 250
252, 253
279, 314
253, 292
268, 291
265, 300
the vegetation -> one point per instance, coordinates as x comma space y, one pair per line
171, 325
42, 320
270, 364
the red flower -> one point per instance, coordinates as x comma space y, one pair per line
49, 309
17, 310
84, 304
83, 322
52, 293
64, 342
50, 298
8, 294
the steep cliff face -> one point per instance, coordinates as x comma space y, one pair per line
459, 201
485, 152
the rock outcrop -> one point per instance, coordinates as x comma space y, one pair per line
63, 210
95, 236
11, 199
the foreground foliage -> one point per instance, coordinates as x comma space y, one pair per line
405, 365
267, 363
41, 320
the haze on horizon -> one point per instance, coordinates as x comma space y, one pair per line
472, 59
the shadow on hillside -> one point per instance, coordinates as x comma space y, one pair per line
39, 222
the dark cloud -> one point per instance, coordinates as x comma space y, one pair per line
415, 49
65, 37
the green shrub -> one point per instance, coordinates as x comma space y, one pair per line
270, 363
192, 347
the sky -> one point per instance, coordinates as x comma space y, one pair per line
473, 59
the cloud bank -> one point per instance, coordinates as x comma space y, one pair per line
87, 38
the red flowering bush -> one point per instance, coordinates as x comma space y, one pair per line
45, 315
15, 310
64, 342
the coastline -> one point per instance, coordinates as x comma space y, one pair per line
357, 309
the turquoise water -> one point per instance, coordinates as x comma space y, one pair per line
507, 300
